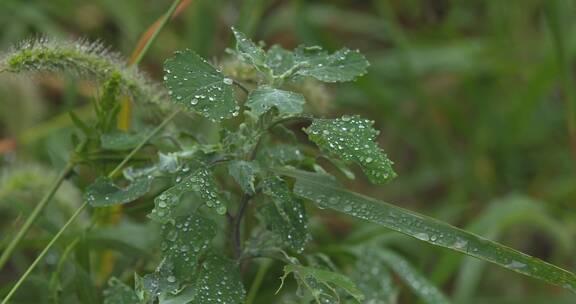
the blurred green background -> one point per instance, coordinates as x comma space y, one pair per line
474, 100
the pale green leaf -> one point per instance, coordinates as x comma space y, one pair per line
343, 65
103, 192
244, 173
427, 292
374, 279
279, 60
119, 293
317, 279
285, 215
248, 50
161, 281
282, 154
196, 84
200, 181
353, 139
264, 98
120, 141
328, 194
184, 240
219, 282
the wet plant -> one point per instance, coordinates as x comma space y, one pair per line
233, 206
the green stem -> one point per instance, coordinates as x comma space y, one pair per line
38, 210
43, 253
258, 281
164, 21
83, 206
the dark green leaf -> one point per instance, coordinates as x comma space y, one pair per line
352, 139
161, 281
120, 141
374, 279
219, 282
327, 194
196, 84
286, 215
264, 98
103, 192
200, 181
184, 241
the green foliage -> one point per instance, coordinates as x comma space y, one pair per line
264, 98
103, 192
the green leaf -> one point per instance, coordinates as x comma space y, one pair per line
313, 278
282, 154
162, 281
279, 60
219, 282
343, 65
119, 293
427, 292
248, 50
264, 98
196, 84
244, 173
200, 181
328, 194
120, 141
374, 279
184, 240
285, 215
103, 192
352, 139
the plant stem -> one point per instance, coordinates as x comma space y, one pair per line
237, 235
262, 270
241, 86
43, 253
38, 210
83, 206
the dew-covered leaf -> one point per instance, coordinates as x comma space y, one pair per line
200, 181
282, 154
103, 192
161, 281
219, 282
319, 279
196, 84
244, 173
248, 50
328, 194
184, 240
279, 60
285, 215
343, 65
119, 293
353, 139
374, 279
427, 292
264, 98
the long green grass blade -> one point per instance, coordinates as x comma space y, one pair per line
325, 192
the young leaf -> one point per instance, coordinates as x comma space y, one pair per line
103, 192
219, 282
343, 65
200, 181
119, 293
196, 84
279, 60
352, 138
184, 241
286, 215
264, 98
427, 292
248, 50
244, 173
320, 277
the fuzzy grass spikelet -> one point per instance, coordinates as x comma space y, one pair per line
83, 58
